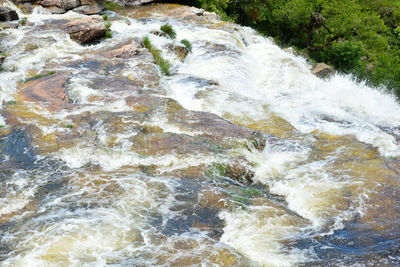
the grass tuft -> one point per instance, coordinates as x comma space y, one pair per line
23, 21
69, 126
187, 44
108, 26
112, 6
168, 30
158, 58
11, 102
38, 76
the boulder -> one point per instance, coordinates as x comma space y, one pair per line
322, 70
86, 29
51, 90
90, 7
7, 14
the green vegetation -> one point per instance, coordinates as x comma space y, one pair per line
38, 76
107, 23
2, 126
187, 44
112, 6
1, 69
160, 61
3, 54
355, 36
11, 102
69, 126
168, 30
22, 21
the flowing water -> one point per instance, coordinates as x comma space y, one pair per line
143, 169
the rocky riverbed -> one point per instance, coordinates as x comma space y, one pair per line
239, 157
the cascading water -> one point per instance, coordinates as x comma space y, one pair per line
141, 169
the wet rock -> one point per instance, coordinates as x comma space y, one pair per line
90, 7
125, 50
50, 90
87, 29
216, 128
158, 33
7, 14
180, 51
2, 58
175, 11
322, 70
114, 84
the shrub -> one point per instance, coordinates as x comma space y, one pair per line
187, 44
168, 30
160, 61
345, 55
112, 6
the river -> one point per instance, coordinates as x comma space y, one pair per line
240, 157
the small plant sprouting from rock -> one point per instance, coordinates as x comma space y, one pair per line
38, 76
69, 126
108, 31
187, 44
168, 30
112, 6
11, 102
108, 26
160, 61
22, 21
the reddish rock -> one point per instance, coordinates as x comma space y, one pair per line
323, 71
87, 29
50, 90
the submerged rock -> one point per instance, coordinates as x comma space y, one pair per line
50, 90
7, 14
87, 29
322, 70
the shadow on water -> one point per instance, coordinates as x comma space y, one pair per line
355, 244
16, 148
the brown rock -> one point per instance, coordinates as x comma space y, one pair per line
50, 89
46, 3
7, 14
216, 128
87, 29
125, 50
180, 52
70, 4
90, 7
323, 71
